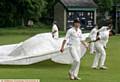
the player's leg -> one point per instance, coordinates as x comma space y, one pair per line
78, 66
103, 58
92, 48
96, 60
76, 62
97, 56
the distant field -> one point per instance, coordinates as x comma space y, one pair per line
23, 30
48, 71
15, 35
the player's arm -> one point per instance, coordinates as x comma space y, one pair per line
62, 47
97, 38
54, 31
84, 43
65, 40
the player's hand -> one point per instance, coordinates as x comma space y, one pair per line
90, 42
87, 46
105, 47
62, 50
53, 36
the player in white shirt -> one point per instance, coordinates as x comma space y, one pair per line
55, 31
92, 37
74, 38
100, 45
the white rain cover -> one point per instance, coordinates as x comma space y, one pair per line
40, 45
37, 45
5, 50
65, 57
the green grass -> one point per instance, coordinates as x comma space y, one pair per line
25, 31
49, 71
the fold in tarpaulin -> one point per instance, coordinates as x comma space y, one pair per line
38, 48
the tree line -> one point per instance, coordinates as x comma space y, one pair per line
18, 12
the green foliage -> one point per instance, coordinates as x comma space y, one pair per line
18, 12
104, 5
48, 15
116, 2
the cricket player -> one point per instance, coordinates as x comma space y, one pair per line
100, 46
55, 31
92, 37
74, 37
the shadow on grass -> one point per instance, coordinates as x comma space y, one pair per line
43, 64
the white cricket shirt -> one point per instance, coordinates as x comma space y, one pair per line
104, 36
74, 37
93, 34
55, 28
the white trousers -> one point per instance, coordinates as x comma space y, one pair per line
75, 52
100, 56
92, 48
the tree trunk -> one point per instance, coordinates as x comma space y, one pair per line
23, 23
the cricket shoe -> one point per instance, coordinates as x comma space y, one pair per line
103, 67
77, 78
93, 67
71, 77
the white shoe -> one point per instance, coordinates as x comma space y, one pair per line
71, 77
77, 78
94, 67
103, 67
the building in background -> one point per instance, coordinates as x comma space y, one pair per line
65, 11
116, 18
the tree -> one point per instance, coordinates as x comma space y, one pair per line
20, 10
48, 15
30, 9
116, 2
104, 6
6, 12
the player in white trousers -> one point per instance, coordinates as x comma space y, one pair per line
100, 45
74, 37
92, 37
